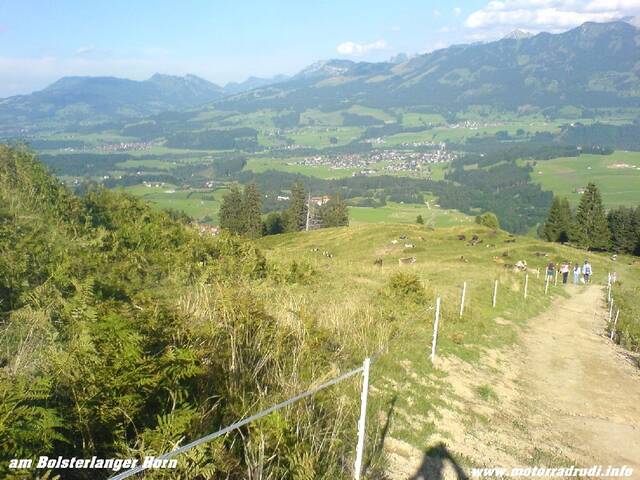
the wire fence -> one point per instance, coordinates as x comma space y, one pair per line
364, 369
252, 418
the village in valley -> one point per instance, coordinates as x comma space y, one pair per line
383, 160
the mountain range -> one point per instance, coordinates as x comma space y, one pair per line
95, 100
593, 65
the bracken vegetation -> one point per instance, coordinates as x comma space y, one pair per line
125, 333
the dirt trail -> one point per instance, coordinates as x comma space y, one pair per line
565, 395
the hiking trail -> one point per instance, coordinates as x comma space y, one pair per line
564, 395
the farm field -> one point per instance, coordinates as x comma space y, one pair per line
616, 175
259, 164
407, 213
198, 204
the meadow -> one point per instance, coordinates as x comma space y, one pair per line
197, 203
407, 213
352, 296
616, 175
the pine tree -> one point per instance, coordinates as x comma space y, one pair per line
551, 226
251, 211
591, 229
557, 227
334, 213
297, 211
623, 228
231, 211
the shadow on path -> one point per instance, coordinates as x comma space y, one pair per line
434, 463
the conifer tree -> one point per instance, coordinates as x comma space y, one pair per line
623, 228
231, 211
591, 229
335, 213
297, 211
558, 224
251, 211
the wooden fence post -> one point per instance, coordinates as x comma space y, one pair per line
464, 291
363, 418
546, 284
526, 285
611, 310
495, 293
435, 331
615, 322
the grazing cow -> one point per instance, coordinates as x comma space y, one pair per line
462, 237
394, 242
540, 254
409, 245
377, 262
510, 240
406, 261
462, 259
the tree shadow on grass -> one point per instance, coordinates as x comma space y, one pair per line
434, 463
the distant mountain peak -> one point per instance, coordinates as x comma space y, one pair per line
518, 34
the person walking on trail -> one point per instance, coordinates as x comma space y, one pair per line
551, 271
587, 271
576, 273
564, 269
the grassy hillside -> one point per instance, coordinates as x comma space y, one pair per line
125, 332
351, 292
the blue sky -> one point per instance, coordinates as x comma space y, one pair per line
41, 41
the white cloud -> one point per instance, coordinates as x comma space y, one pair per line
353, 48
548, 15
85, 50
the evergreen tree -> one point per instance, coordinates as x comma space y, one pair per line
420, 220
231, 211
591, 229
636, 223
297, 211
334, 213
622, 228
557, 227
251, 211
273, 224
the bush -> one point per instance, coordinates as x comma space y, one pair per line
488, 219
406, 286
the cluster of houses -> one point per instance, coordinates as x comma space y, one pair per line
390, 160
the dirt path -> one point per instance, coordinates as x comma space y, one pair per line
592, 393
565, 395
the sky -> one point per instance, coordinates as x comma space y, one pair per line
222, 41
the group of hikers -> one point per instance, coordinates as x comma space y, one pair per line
581, 273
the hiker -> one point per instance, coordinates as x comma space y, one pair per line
587, 271
576, 273
551, 271
564, 269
